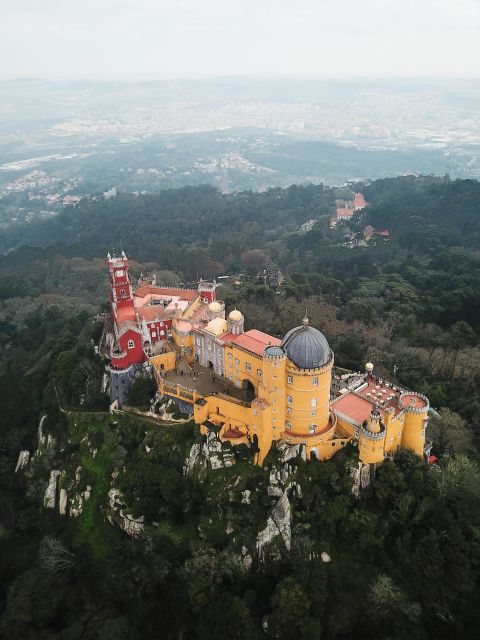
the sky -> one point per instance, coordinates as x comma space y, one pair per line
169, 39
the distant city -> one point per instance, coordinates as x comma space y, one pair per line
57, 145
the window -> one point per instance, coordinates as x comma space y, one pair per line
274, 389
315, 382
289, 410
162, 333
198, 342
154, 334
255, 412
122, 293
248, 366
237, 361
288, 425
259, 373
229, 356
289, 399
275, 401
312, 428
131, 344
290, 379
313, 413
313, 402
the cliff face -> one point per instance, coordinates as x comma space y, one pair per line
117, 471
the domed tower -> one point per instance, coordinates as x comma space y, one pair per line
235, 322
415, 411
308, 377
216, 309
371, 439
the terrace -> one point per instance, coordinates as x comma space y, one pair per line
203, 381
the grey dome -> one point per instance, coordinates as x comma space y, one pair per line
306, 347
274, 352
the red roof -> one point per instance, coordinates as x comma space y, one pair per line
183, 294
345, 213
125, 313
354, 407
152, 313
359, 201
227, 337
255, 341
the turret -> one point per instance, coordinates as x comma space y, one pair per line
207, 291
371, 439
273, 386
216, 309
235, 322
415, 410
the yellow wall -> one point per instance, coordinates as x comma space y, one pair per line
168, 360
413, 435
370, 449
302, 392
272, 389
236, 373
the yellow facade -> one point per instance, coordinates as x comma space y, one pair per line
291, 403
240, 365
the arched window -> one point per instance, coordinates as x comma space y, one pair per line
123, 293
313, 402
131, 344
312, 428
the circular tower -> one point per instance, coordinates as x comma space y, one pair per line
371, 439
415, 411
274, 382
216, 309
308, 377
235, 322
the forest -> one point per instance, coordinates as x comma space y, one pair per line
404, 556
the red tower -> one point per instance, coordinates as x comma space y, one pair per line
121, 291
207, 290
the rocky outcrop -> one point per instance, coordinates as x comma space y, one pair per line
246, 496
117, 515
278, 524
23, 459
211, 454
50, 497
63, 502
361, 476
289, 452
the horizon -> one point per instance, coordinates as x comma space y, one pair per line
154, 40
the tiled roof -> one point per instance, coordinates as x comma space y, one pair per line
183, 294
125, 313
255, 341
354, 407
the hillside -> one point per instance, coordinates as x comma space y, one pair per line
291, 550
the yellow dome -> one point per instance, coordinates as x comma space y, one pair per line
235, 315
217, 326
215, 307
369, 367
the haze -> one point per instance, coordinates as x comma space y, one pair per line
160, 39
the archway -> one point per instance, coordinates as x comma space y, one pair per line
248, 389
210, 364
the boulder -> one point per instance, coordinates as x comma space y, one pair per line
246, 496
50, 497
23, 459
278, 524
62, 502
